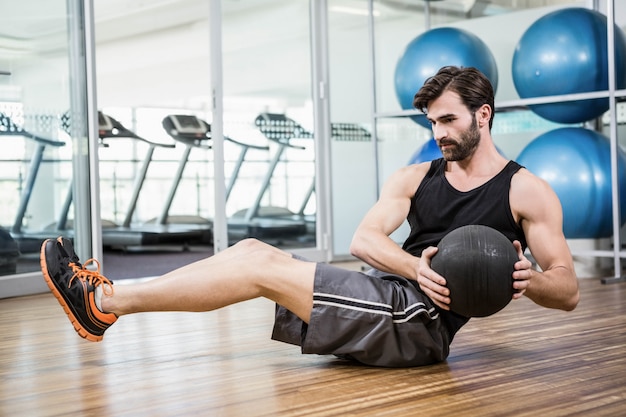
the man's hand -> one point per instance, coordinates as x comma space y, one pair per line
431, 282
522, 273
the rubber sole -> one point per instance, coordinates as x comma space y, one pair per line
82, 332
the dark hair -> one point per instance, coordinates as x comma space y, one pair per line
470, 84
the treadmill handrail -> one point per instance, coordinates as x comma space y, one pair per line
124, 133
281, 129
9, 128
202, 133
350, 130
248, 145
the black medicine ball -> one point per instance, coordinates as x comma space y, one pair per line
477, 262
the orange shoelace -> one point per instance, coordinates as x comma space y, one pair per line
93, 277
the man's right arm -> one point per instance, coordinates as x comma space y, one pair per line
371, 242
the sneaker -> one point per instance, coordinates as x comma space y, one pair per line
69, 249
74, 285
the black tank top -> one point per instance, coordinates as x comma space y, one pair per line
438, 208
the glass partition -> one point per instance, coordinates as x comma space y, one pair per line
268, 114
352, 151
37, 82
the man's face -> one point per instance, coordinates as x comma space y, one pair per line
454, 127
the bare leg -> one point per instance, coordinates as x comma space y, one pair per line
247, 270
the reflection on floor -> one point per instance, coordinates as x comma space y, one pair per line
118, 265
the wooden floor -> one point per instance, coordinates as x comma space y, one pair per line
524, 361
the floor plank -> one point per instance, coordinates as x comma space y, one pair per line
524, 361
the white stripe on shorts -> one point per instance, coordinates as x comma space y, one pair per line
383, 309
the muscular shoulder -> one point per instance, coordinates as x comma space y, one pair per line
525, 181
531, 196
404, 181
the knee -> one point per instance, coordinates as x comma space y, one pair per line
250, 244
252, 247
256, 251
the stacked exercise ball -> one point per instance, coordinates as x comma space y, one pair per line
565, 52
576, 163
478, 263
434, 49
430, 151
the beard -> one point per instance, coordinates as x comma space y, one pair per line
465, 146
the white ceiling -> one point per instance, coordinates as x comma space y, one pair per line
155, 52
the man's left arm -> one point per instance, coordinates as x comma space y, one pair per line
554, 284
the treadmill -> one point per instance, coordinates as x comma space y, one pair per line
9, 253
195, 133
339, 132
28, 241
281, 129
274, 222
145, 234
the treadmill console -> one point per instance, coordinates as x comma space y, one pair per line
104, 122
188, 125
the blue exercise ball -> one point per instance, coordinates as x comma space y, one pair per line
436, 48
565, 52
576, 163
430, 151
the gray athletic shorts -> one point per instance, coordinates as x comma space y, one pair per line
374, 318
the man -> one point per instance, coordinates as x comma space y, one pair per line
397, 314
